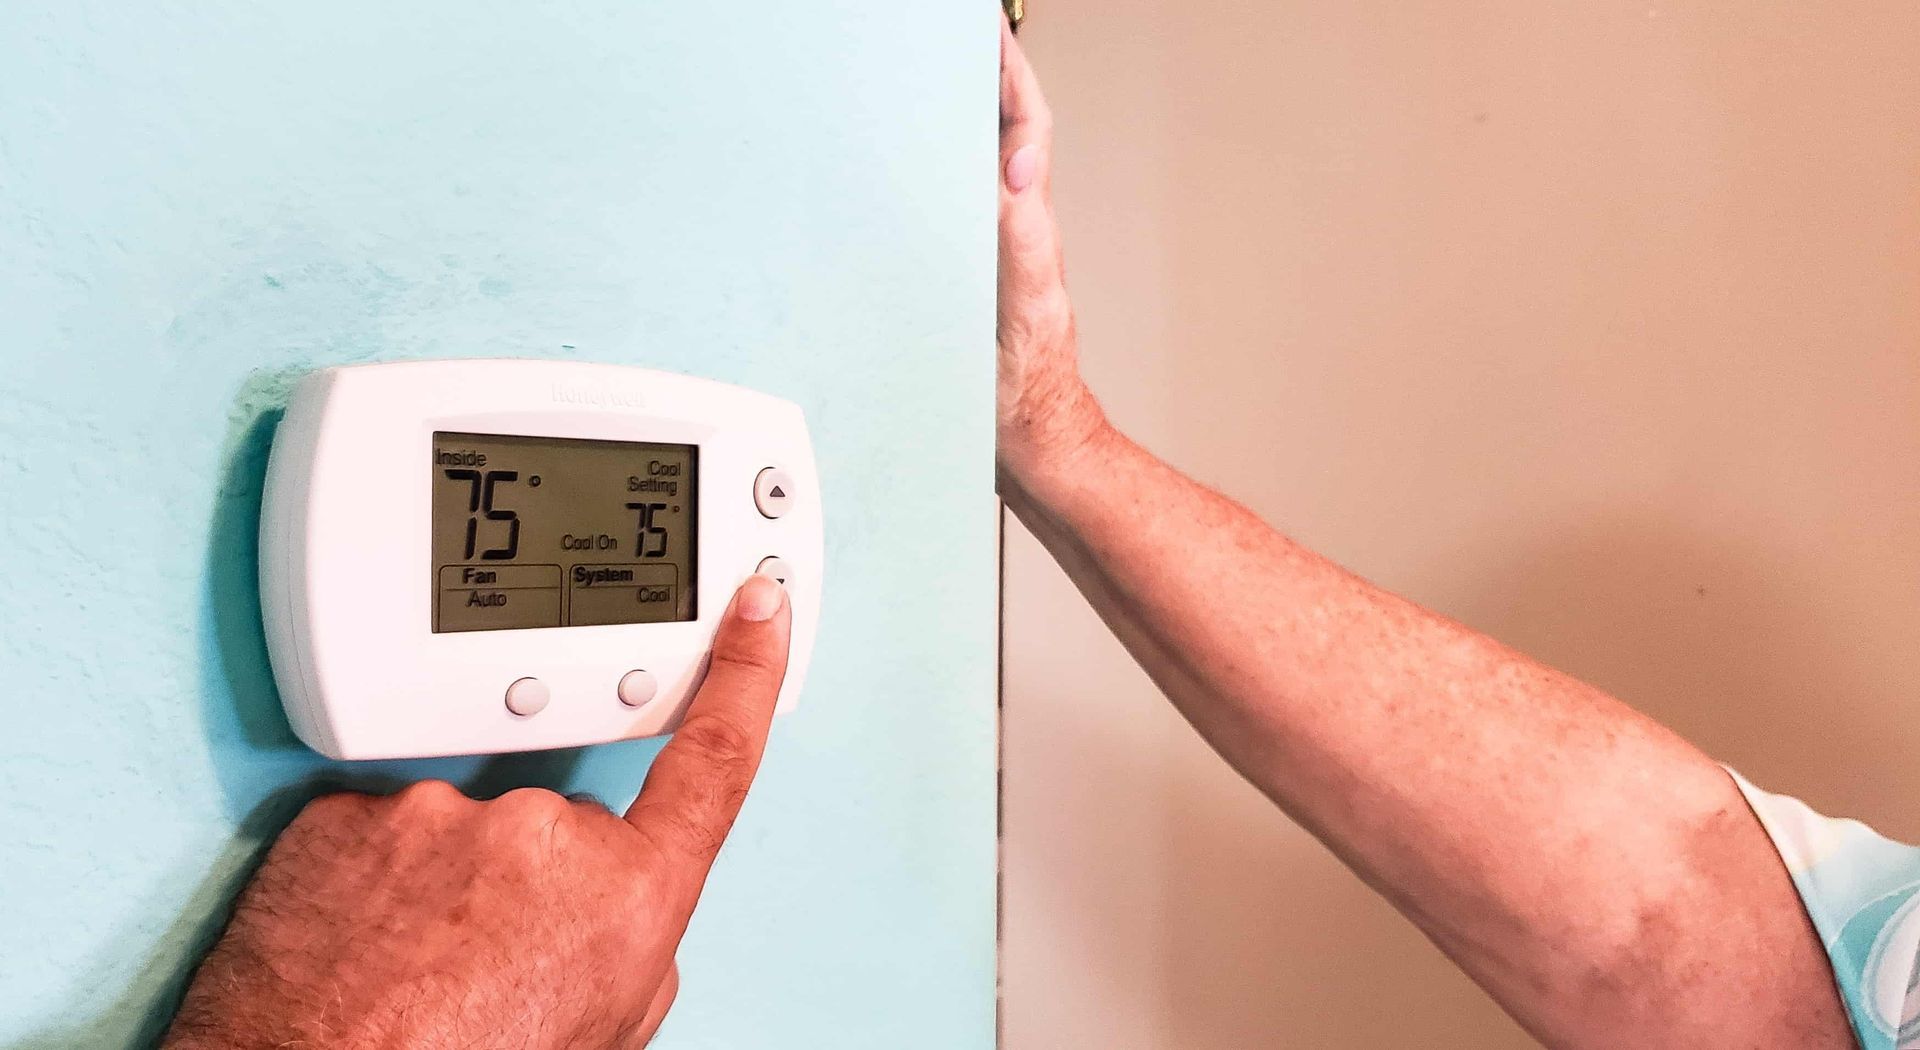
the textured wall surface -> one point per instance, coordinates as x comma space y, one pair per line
1594, 325
199, 202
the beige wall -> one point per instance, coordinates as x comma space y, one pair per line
1595, 325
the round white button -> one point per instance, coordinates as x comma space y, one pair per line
637, 687
528, 696
776, 568
773, 492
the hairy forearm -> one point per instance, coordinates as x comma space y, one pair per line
1597, 874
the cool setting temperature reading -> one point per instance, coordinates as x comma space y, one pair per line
557, 532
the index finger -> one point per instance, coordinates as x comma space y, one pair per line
699, 780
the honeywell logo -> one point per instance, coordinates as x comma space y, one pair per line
597, 396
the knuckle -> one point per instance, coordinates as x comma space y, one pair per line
430, 795
530, 829
689, 837
1036, 264
1043, 330
720, 743
536, 805
588, 802
749, 662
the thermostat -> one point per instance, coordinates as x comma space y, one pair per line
480, 556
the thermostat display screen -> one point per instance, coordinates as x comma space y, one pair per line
557, 532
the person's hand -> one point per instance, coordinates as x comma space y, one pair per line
429, 920
1046, 413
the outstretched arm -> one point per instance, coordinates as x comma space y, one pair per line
1599, 876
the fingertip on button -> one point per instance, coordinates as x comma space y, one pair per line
777, 568
759, 598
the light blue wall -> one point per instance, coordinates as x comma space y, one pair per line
200, 201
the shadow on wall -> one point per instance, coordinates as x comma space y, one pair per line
264, 771
1717, 642
242, 708
1744, 652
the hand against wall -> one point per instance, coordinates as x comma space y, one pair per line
427, 919
1044, 407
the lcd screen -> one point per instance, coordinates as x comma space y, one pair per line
559, 532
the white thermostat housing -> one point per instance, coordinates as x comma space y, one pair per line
481, 556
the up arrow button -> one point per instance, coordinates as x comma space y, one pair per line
773, 492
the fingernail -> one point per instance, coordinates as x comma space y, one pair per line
1022, 166
759, 598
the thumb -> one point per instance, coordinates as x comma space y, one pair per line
1031, 278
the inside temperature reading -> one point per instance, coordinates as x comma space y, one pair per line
558, 532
